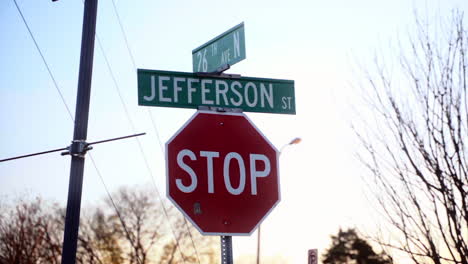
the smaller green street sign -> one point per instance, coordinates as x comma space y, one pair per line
188, 90
227, 48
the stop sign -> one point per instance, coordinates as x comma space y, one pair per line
222, 173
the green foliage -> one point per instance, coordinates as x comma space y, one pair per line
347, 248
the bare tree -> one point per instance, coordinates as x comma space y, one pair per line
106, 239
193, 247
131, 227
28, 235
416, 148
138, 221
156, 231
98, 241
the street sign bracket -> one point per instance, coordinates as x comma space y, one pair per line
222, 69
219, 73
219, 109
214, 75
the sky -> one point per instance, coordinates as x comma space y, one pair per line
315, 43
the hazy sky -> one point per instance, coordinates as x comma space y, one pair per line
315, 43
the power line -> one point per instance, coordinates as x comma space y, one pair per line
44, 60
124, 35
151, 118
122, 222
129, 119
127, 45
125, 108
157, 134
67, 148
191, 239
33, 154
72, 119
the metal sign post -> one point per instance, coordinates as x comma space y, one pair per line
220, 134
226, 250
313, 256
79, 147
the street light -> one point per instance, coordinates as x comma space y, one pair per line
293, 142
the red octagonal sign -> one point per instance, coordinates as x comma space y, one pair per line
222, 173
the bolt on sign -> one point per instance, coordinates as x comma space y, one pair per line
189, 90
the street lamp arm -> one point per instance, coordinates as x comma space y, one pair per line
296, 140
293, 142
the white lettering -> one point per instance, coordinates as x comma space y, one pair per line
188, 169
266, 95
236, 45
254, 173
209, 164
225, 56
214, 49
256, 170
286, 102
162, 88
239, 95
205, 90
227, 179
153, 90
199, 61
191, 89
246, 94
177, 88
222, 92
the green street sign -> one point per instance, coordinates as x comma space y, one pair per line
189, 90
227, 48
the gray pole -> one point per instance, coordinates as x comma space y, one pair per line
78, 147
226, 250
258, 242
